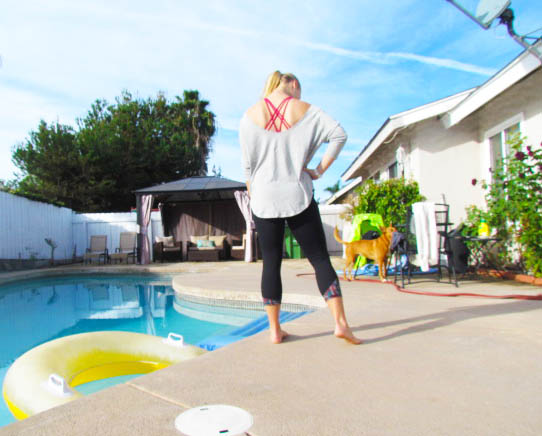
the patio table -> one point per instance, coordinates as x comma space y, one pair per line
479, 252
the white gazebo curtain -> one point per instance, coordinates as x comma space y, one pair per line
144, 218
243, 201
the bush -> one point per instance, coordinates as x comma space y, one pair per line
390, 199
514, 205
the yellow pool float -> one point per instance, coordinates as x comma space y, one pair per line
45, 376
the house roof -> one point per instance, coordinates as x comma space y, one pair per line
343, 191
516, 70
399, 121
195, 189
453, 109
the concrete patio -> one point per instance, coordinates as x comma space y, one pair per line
429, 365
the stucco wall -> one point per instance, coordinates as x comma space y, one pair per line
523, 99
446, 162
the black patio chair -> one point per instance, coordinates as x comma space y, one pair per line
406, 246
445, 254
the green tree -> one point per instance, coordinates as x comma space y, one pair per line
390, 199
7, 186
115, 150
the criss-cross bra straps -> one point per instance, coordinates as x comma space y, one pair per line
277, 114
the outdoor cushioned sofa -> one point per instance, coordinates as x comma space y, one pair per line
207, 248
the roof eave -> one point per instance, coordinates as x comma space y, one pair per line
516, 70
401, 120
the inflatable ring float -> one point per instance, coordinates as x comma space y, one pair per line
45, 376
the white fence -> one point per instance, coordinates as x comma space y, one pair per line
330, 218
111, 224
24, 225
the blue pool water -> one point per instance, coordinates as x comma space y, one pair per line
34, 312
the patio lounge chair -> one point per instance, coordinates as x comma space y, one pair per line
127, 248
238, 251
98, 249
167, 248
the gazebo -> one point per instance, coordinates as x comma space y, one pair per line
201, 205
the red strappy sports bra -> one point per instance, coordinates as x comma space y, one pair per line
277, 114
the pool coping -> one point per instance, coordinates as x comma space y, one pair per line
244, 299
222, 297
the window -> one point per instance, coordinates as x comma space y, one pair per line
393, 171
498, 147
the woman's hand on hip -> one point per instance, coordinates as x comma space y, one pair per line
312, 173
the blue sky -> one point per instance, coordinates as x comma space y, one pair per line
360, 61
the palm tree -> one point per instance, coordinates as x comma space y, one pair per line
334, 188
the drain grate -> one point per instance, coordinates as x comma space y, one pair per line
214, 420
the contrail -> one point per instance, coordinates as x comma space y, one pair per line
446, 63
388, 57
374, 57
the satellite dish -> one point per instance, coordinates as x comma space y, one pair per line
488, 10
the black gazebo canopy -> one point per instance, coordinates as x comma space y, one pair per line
199, 188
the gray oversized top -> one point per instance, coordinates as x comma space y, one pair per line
274, 161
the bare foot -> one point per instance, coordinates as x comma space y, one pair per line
278, 337
346, 334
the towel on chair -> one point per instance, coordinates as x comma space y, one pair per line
426, 233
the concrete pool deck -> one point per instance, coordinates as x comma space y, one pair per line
429, 365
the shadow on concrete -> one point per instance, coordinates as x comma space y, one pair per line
434, 320
448, 317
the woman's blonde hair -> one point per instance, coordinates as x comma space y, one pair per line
275, 79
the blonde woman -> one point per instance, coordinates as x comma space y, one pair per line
279, 136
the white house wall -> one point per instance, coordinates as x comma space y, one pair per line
447, 161
522, 101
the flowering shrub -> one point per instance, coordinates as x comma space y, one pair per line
389, 198
514, 204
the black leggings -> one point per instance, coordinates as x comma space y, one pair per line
308, 231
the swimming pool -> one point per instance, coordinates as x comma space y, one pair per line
36, 311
